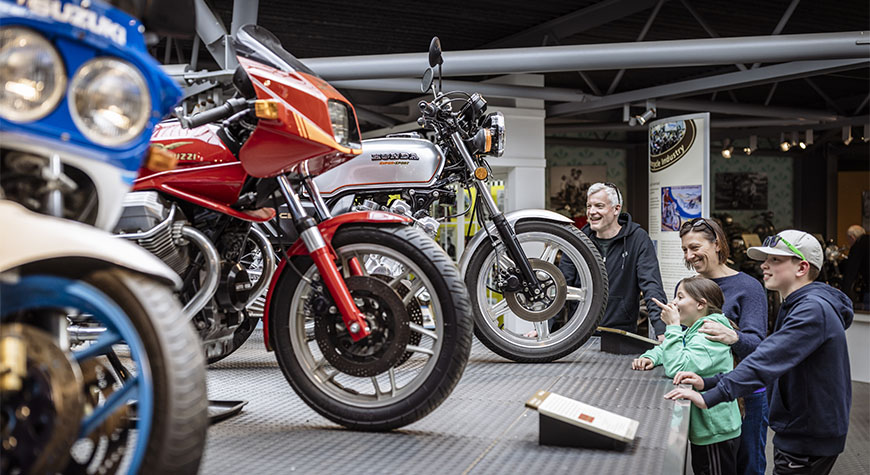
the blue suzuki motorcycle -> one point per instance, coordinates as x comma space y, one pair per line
98, 371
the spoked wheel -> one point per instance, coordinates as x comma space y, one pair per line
76, 411
578, 308
405, 368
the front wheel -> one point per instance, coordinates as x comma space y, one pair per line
559, 249
85, 409
418, 310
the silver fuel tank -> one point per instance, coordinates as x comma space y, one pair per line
393, 162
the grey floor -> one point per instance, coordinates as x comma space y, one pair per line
481, 428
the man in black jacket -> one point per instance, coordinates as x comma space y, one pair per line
630, 259
805, 360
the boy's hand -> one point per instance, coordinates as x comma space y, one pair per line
670, 314
718, 332
688, 377
642, 364
686, 393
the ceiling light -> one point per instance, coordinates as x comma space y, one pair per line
783, 144
866, 136
753, 145
847, 134
808, 137
645, 117
727, 148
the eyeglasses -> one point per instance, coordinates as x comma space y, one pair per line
695, 224
772, 241
618, 194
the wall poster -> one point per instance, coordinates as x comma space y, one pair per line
741, 191
679, 187
568, 187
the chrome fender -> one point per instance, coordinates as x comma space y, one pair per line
513, 218
29, 237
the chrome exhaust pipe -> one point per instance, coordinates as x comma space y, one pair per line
269, 263
212, 266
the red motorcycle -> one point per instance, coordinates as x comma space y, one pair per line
368, 317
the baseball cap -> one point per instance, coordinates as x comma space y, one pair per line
790, 243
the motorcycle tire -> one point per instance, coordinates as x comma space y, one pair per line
582, 321
440, 353
179, 418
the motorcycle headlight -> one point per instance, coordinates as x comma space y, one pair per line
32, 75
343, 124
494, 124
109, 101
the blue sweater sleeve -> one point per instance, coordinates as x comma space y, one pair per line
751, 316
801, 334
650, 282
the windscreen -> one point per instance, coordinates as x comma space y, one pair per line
259, 44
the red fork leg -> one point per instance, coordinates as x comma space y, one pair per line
350, 314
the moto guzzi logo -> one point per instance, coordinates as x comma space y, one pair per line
181, 155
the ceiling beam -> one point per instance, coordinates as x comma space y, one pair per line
577, 22
745, 109
652, 54
758, 125
779, 72
486, 89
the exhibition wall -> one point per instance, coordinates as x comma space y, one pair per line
850, 189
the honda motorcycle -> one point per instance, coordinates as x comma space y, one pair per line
368, 317
98, 373
514, 268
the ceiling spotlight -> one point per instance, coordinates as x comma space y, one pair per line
783, 144
753, 145
866, 137
808, 137
847, 134
727, 148
645, 117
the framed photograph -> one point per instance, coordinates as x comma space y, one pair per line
568, 187
680, 204
741, 191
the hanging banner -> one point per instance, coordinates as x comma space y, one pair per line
679, 187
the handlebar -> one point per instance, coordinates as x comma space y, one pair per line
213, 115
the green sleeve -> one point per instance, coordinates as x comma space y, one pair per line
699, 355
673, 335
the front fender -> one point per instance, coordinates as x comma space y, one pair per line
327, 229
29, 238
513, 218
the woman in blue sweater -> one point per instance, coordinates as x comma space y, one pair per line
705, 249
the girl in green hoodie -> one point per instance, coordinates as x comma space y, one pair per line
714, 434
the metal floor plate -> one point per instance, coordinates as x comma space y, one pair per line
482, 428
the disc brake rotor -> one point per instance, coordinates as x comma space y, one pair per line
387, 319
112, 433
40, 418
415, 314
554, 290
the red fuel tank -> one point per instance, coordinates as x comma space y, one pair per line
207, 173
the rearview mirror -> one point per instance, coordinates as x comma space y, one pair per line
428, 75
435, 52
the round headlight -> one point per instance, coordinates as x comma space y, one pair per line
32, 76
495, 123
109, 101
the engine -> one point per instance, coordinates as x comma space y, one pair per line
428, 224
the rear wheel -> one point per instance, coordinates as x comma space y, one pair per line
84, 409
562, 246
418, 309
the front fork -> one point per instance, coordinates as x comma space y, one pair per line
505, 230
353, 319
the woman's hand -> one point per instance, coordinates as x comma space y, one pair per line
642, 364
690, 394
717, 332
688, 377
670, 314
